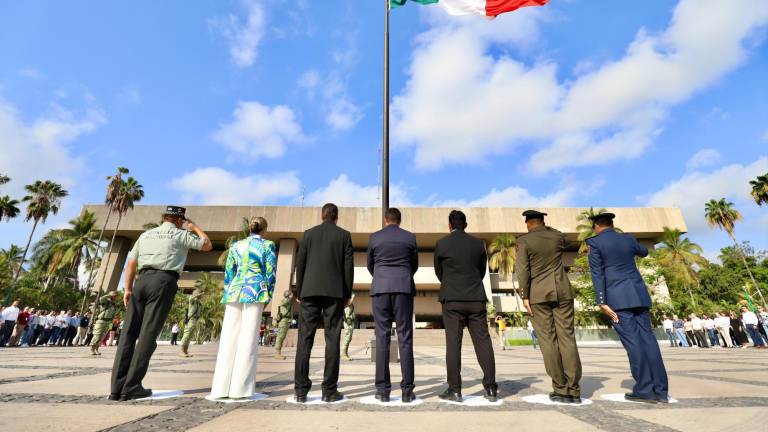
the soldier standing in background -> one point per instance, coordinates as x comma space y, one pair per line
190, 326
283, 318
349, 329
103, 322
549, 299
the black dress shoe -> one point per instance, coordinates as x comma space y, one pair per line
408, 397
114, 397
635, 398
333, 397
575, 399
451, 395
300, 398
662, 399
561, 398
491, 394
382, 397
140, 394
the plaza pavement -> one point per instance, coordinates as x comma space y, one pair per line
63, 389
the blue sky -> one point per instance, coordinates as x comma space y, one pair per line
579, 103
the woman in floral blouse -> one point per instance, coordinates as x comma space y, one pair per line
249, 281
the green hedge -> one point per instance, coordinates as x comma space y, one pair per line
519, 342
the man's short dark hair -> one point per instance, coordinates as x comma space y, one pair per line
603, 222
393, 215
330, 212
457, 219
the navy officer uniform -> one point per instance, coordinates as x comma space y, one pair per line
622, 294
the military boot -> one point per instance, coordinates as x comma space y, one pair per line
279, 355
184, 352
95, 351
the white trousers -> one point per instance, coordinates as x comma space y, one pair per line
235, 374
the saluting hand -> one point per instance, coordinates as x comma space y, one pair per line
611, 314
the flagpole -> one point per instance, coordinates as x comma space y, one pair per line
385, 137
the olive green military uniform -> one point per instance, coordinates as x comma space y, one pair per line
193, 316
544, 282
103, 323
349, 329
283, 317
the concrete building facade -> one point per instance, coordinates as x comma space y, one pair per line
287, 224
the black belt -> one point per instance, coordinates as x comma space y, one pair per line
151, 270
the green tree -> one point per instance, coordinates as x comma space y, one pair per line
72, 246
4, 179
9, 208
678, 256
44, 199
502, 255
584, 226
129, 193
759, 190
721, 213
212, 311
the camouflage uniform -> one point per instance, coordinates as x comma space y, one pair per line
103, 323
283, 317
349, 328
193, 315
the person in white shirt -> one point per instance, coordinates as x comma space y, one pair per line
723, 326
56, 331
698, 330
750, 321
709, 327
669, 326
9, 317
174, 333
533, 333
762, 314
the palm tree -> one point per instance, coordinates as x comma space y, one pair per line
212, 310
113, 188
584, 227
502, 256
130, 192
73, 245
679, 255
760, 189
12, 257
4, 179
720, 213
8, 208
44, 199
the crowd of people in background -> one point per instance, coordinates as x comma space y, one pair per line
29, 327
726, 329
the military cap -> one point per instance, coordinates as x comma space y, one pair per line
533, 214
175, 211
602, 216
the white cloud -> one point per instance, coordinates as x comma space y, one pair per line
462, 104
517, 196
344, 192
215, 186
31, 73
42, 147
243, 34
309, 80
704, 158
692, 191
260, 131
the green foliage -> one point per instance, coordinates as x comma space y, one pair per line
502, 254
519, 342
759, 190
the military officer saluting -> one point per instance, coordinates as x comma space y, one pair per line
158, 256
193, 315
103, 322
549, 300
621, 293
284, 316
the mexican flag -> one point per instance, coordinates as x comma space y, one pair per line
487, 8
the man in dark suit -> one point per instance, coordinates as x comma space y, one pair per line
460, 264
549, 299
324, 275
392, 261
621, 293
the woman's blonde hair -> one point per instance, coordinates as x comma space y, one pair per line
257, 225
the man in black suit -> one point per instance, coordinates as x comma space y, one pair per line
392, 260
324, 274
460, 264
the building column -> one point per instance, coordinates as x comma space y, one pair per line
286, 256
112, 264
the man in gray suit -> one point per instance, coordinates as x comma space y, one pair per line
393, 260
